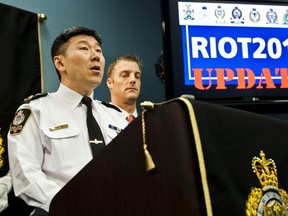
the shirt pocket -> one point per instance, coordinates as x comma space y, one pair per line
66, 146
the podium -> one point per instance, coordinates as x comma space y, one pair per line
202, 154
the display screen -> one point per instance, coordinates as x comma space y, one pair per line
220, 50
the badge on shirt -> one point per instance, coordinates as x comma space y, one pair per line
118, 130
19, 121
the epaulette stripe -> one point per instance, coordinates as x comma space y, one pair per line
33, 97
111, 106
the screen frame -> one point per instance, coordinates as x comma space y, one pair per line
170, 6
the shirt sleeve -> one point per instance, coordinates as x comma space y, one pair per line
25, 152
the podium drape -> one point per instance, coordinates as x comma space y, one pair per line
209, 174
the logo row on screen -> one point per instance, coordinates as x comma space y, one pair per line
229, 14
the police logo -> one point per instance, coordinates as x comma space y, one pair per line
237, 16
19, 121
189, 13
254, 15
271, 17
270, 200
220, 14
19, 117
204, 13
285, 18
236, 13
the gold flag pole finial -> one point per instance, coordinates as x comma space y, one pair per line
42, 17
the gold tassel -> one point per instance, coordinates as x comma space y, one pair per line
149, 161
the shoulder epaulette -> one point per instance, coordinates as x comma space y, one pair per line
33, 97
111, 106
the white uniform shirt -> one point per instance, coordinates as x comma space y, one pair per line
42, 159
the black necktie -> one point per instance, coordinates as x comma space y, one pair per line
95, 135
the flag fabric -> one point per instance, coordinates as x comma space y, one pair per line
20, 68
231, 139
20, 64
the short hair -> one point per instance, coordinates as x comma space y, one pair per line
61, 41
132, 58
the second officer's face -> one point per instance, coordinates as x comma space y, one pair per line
82, 65
125, 82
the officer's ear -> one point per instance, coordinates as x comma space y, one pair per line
58, 62
109, 82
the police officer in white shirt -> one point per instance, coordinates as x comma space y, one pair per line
124, 83
48, 141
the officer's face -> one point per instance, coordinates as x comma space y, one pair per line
82, 66
125, 82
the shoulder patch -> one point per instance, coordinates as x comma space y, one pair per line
33, 97
111, 106
19, 121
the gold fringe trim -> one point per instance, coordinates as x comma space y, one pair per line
2, 150
200, 154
